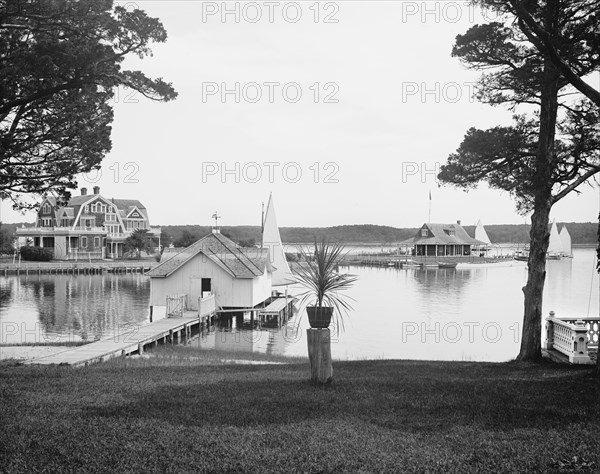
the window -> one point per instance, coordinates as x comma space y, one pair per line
46, 222
86, 209
424, 233
46, 209
96, 242
449, 231
84, 242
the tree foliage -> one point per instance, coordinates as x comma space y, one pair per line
7, 239
139, 241
186, 238
61, 63
544, 155
573, 48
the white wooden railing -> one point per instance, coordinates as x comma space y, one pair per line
573, 337
175, 306
206, 305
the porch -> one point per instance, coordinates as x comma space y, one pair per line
572, 340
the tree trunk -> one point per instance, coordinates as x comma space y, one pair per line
545, 164
531, 344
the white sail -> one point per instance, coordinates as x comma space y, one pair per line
481, 234
565, 240
555, 246
282, 274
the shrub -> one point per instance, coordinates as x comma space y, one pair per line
37, 254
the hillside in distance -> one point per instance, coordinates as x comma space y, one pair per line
581, 233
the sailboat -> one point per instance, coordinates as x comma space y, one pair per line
565, 240
481, 234
555, 247
271, 239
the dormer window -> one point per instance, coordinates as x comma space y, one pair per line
46, 208
424, 233
86, 209
449, 231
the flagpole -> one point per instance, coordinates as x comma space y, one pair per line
429, 220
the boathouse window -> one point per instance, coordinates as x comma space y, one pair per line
424, 232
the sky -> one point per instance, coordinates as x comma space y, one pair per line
343, 110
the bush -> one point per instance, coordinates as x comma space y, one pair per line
37, 254
291, 257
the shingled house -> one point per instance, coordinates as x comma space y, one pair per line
238, 277
441, 240
89, 226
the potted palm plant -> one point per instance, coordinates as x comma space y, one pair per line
323, 284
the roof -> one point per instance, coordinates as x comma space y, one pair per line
439, 234
237, 261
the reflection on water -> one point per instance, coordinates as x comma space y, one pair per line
52, 308
473, 313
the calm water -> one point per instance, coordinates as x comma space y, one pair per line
472, 313
58, 308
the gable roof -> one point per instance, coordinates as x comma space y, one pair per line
50, 199
439, 234
238, 262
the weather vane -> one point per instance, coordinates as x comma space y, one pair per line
216, 217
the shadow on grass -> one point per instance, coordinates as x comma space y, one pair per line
404, 396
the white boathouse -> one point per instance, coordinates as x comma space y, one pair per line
214, 265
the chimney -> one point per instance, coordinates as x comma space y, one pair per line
458, 222
84, 191
96, 189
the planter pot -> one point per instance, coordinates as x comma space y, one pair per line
319, 318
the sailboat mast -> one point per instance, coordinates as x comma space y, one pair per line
262, 226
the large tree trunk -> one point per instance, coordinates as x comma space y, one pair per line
531, 347
531, 344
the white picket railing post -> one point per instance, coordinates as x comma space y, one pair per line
580, 343
569, 337
550, 331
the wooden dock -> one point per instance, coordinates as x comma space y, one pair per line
170, 330
74, 268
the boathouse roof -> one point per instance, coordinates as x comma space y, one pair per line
237, 261
442, 234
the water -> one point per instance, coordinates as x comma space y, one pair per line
69, 308
472, 313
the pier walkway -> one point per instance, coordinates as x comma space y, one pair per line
132, 341
75, 268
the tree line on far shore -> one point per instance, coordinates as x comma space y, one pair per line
182, 236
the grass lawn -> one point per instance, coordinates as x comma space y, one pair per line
173, 413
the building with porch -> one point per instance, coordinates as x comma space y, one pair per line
441, 240
90, 226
